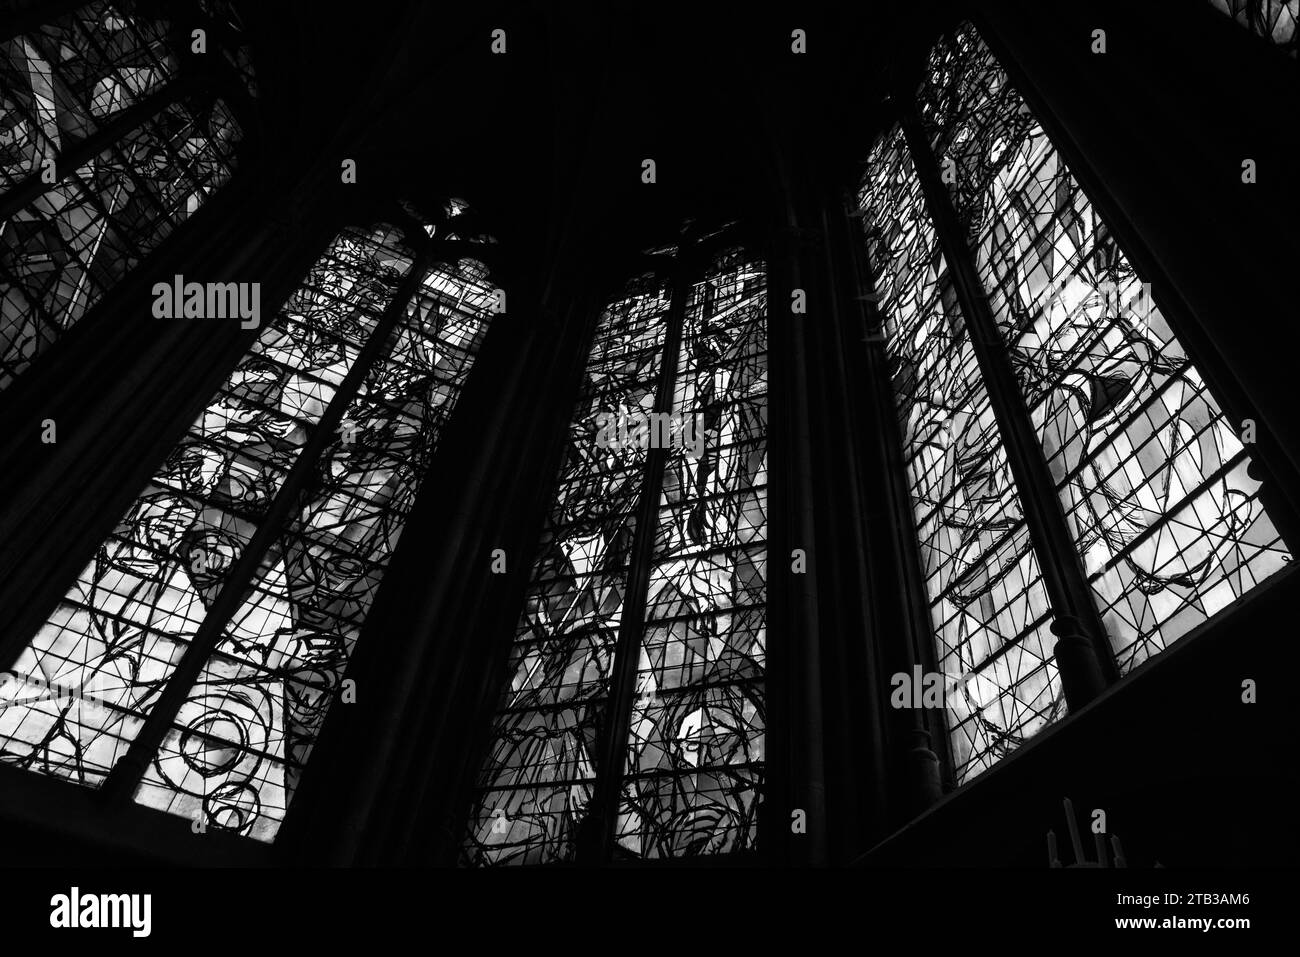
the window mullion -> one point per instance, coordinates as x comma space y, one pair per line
81, 152
1082, 654
129, 770
930, 765
622, 688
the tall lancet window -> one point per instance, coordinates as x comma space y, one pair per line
1274, 20
210, 633
662, 608
990, 611
112, 133
1166, 524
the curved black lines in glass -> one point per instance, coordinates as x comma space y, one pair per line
118, 632
694, 770
534, 788
987, 599
1151, 475
83, 221
239, 742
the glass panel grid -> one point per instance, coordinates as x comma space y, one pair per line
537, 781
116, 636
693, 778
59, 84
239, 743
988, 603
1151, 475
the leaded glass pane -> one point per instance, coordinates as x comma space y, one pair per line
59, 84
116, 636
535, 785
238, 744
692, 770
1151, 475
987, 599
695, 751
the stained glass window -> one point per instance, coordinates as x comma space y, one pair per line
1151, 476
988, 605
236, 746
538, 778
76, 221
1274, 20
691, 774
1150, 473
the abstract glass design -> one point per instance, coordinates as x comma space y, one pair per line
693, 768
535, 786
695, 750
61, 84
1151, 475
1274, 20
988, 604
239, 742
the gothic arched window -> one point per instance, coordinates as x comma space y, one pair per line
207, 637
1166, 524
636, 673
109, 139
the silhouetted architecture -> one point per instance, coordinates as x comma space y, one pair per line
700, 435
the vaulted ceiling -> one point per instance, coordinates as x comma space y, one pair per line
547, 141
